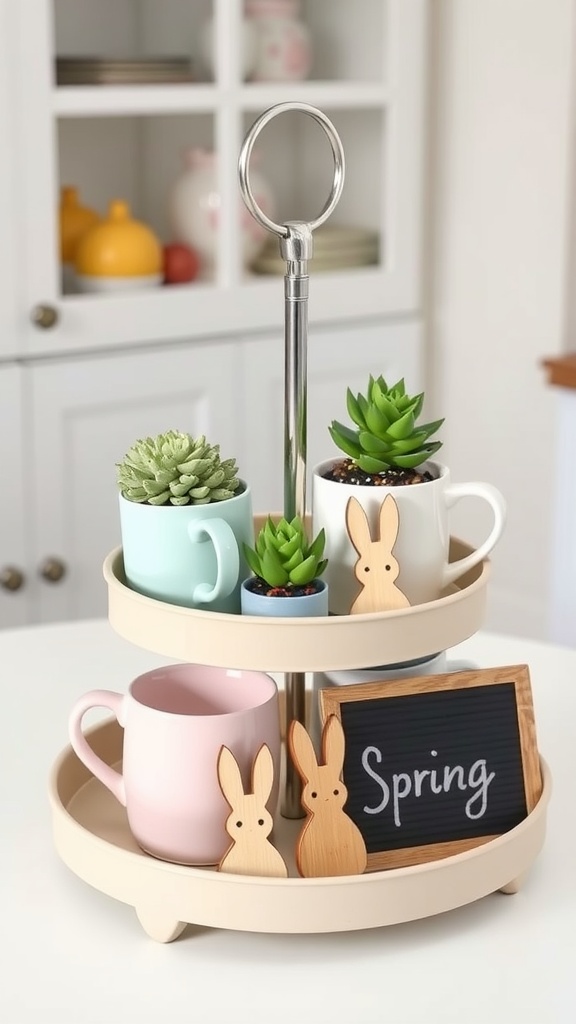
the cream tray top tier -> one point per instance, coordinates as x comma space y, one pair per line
299, 645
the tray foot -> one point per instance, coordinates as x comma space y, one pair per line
158, 925
515, 885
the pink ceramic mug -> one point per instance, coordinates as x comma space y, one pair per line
175, 721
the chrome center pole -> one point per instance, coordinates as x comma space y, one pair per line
296, 248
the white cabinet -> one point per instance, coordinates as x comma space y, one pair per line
10, 302
98, 371
16, 503
127, 140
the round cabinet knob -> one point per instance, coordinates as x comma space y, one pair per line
44, 316
11, 578
52, 570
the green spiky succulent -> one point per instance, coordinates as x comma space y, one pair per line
387, 434
176, 469
283, 555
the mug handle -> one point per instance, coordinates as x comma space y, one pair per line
115, 702
227, 558
453, 493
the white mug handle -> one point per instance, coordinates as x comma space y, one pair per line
220, 534
116, 703
454, 493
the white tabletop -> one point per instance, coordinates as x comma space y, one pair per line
70, 955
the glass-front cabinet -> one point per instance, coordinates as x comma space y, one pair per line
138, 108
137, 295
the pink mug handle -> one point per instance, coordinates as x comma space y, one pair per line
102, 771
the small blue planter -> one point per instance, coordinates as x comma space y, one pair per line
309, 605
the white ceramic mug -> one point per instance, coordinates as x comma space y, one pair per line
422, 542
433, 665
175, 721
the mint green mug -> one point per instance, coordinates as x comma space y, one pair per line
189, 555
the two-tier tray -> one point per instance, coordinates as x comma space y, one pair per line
91, 830
90, 827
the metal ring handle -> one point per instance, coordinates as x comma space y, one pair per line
246, 152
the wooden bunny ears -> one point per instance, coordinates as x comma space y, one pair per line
376, 568
250, 823
329, 843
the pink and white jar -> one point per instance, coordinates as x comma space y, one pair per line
283, 51
207, 48
196, 209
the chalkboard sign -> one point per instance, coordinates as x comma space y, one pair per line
436, 765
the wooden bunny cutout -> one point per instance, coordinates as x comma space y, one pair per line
376, 568
329, 843
249, 824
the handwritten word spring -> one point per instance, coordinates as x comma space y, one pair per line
435, 780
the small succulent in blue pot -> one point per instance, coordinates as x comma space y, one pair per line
287, 570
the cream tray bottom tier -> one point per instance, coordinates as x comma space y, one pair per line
91, 831
92, 837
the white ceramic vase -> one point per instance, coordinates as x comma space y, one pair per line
283, 51
195, 209
207, 53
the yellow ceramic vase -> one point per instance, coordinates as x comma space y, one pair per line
75, 220
118, 253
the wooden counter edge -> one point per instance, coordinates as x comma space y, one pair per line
561, 370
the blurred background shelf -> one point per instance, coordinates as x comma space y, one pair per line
123, 100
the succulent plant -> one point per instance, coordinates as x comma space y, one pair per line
387, 434
283, 555
176, 469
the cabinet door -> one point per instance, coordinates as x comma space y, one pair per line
83, 416
16, 508
9, 279
126, 141
337, 359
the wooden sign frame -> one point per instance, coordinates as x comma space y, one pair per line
333, 699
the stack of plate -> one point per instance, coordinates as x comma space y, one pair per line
127, 71
335, 248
